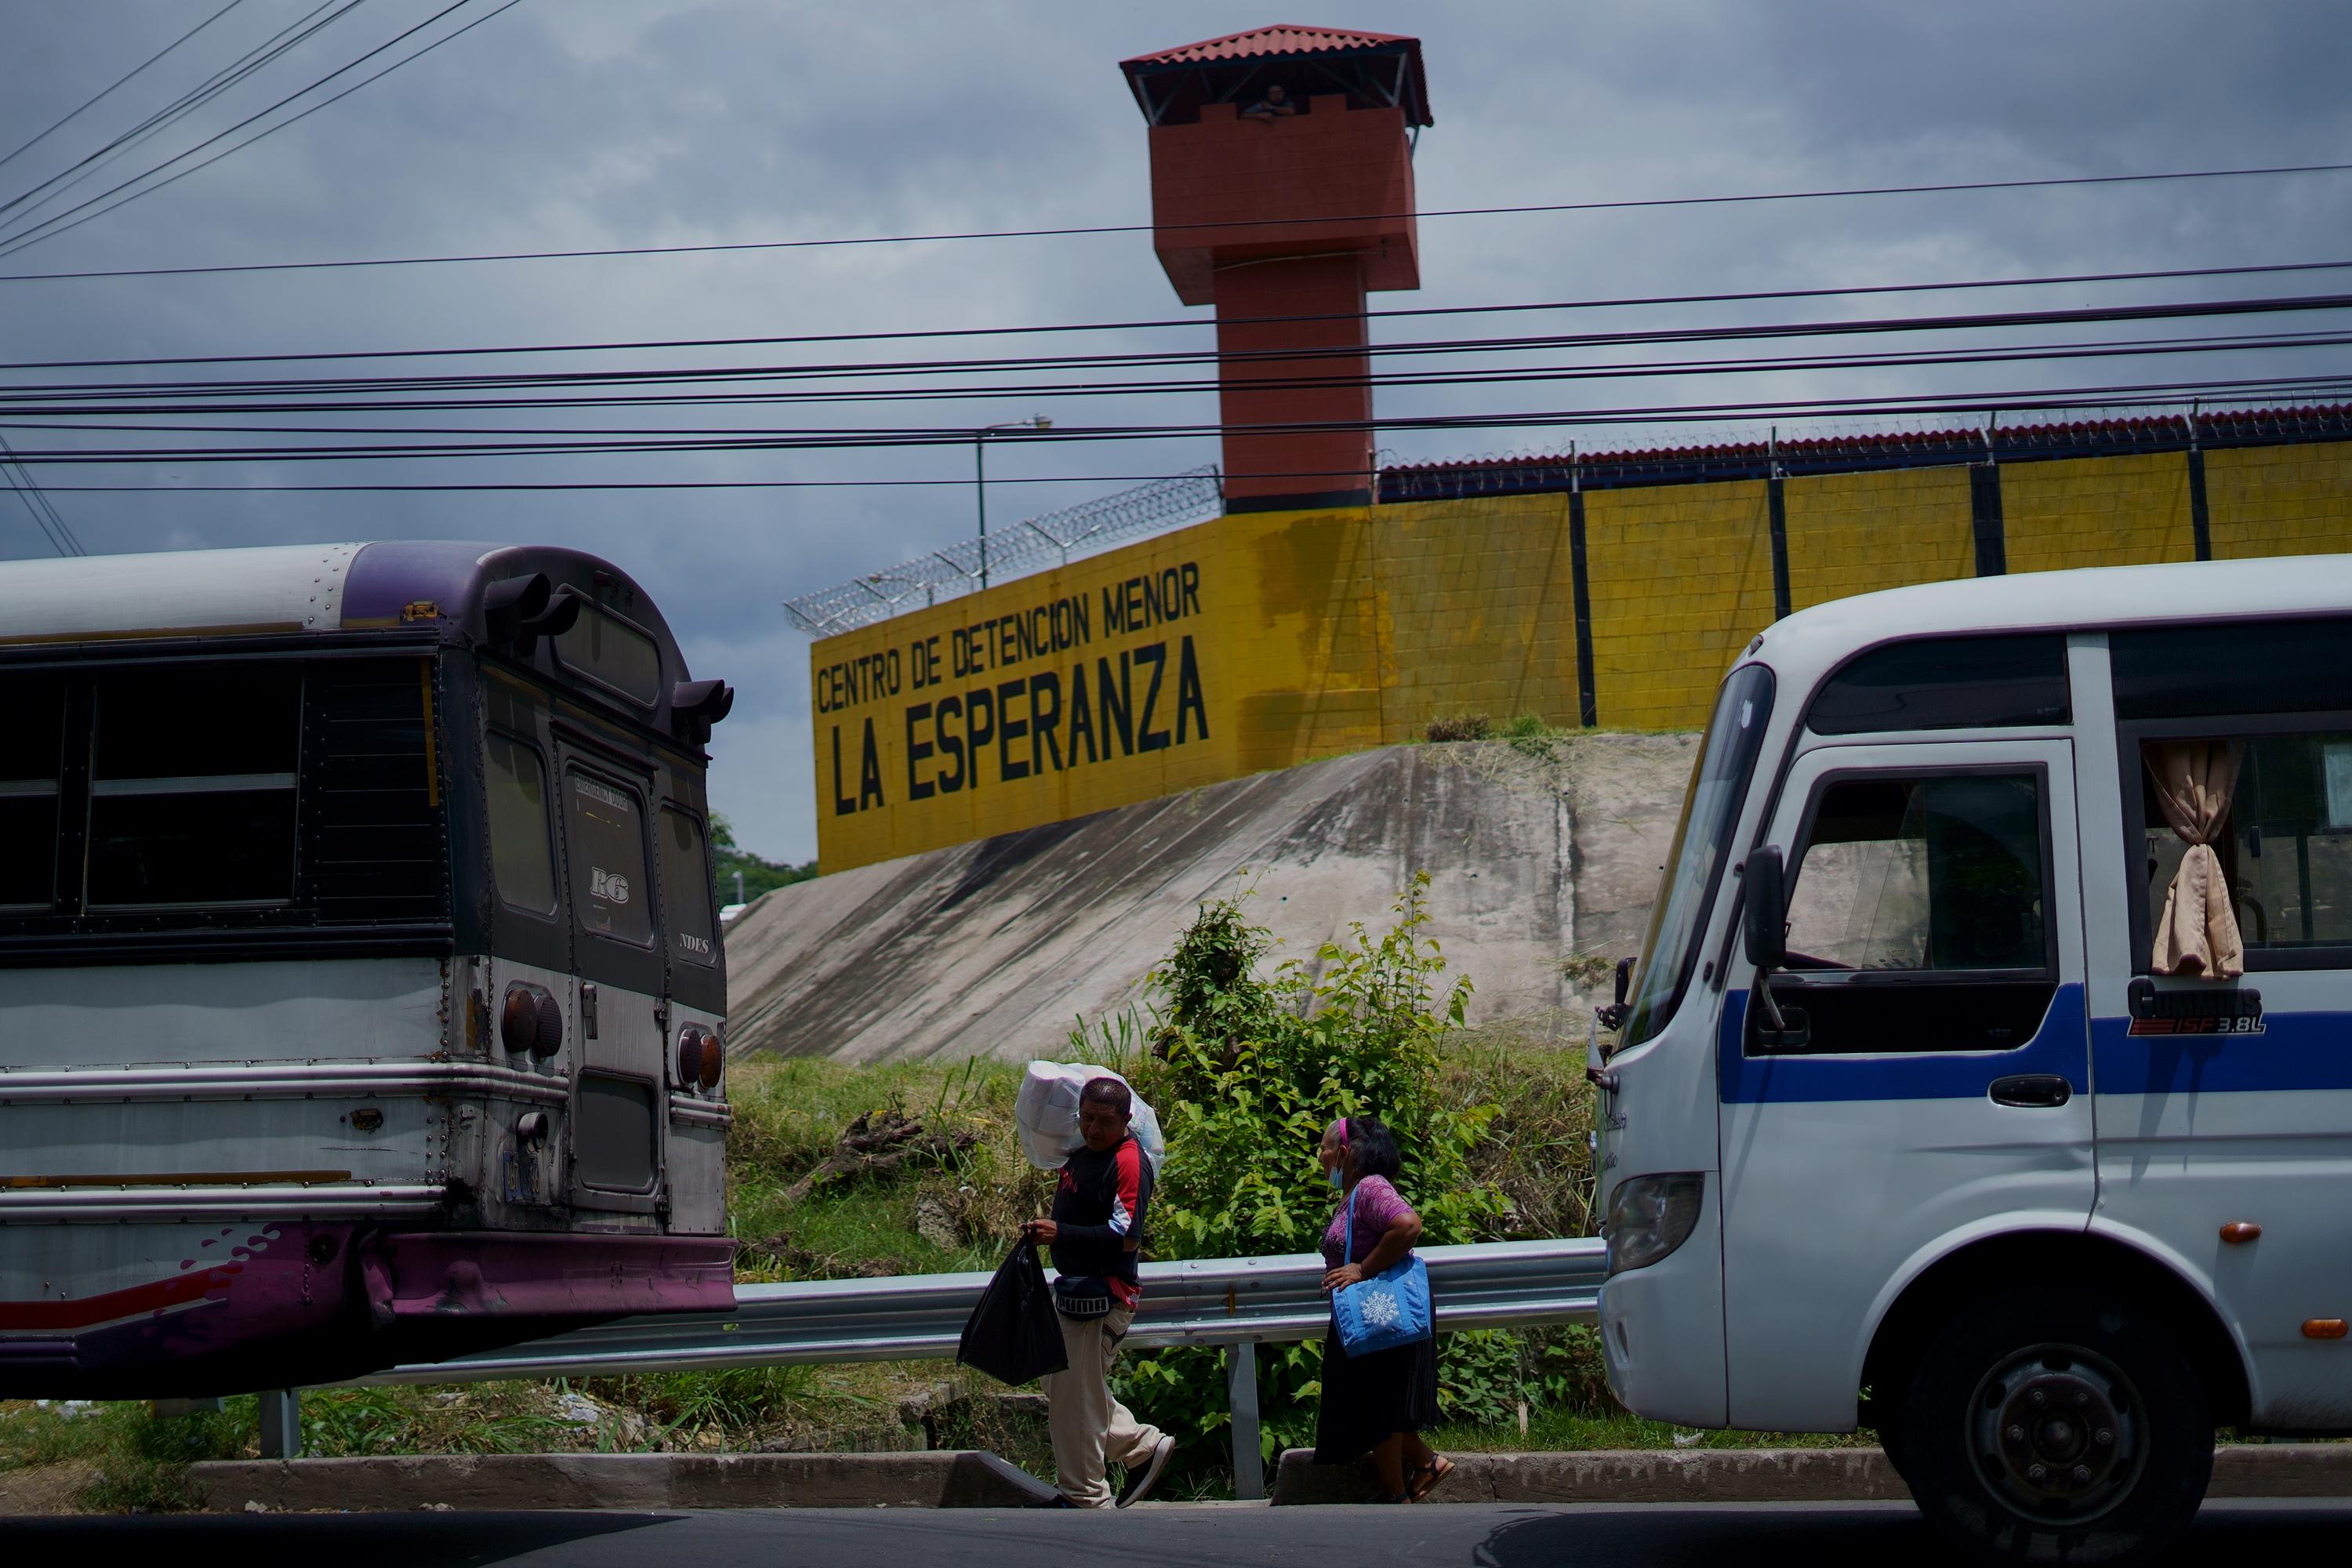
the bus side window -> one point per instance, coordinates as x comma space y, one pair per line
29, 768
520, 860
193, 786
1918, 920
2283, 833
604, 829
1934, 873
685, 887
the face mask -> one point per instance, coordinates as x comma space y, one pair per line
1332, 1176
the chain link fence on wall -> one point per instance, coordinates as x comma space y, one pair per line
1030, 545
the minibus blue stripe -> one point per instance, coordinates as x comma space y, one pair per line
2295, 1051
2060, 1045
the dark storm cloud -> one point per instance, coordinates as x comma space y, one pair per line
580, 123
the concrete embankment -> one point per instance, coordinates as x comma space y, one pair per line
1537, 856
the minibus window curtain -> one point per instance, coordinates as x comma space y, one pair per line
1946, 683
2197, 931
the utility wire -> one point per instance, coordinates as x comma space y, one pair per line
461, 390
51, 227
2165, 392
1621, 205
42, 420
92, 101
290, 37
45, 513
495, 441
1619, 302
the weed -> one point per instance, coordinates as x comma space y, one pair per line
1468, 727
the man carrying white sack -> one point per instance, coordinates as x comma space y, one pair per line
1096, 1232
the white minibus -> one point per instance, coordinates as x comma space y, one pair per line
1986, 1076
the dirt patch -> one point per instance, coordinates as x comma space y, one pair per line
45, 1489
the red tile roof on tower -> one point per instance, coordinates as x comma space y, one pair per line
1214, 67
1262, 43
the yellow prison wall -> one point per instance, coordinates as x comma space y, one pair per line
1264, 639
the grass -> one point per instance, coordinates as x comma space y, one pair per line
954, 1212
1583, 1431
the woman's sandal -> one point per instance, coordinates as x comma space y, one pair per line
1437, 1470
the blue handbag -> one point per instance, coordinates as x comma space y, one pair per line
1389, 1309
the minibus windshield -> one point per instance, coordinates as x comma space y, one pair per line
1718, 783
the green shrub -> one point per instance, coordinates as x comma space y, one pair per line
1250, 1068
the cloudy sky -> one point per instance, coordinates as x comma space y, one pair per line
567, 125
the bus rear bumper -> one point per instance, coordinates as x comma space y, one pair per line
293, 1304
487, 1274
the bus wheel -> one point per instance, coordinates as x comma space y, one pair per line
2056, 1426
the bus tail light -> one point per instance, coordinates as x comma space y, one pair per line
518, 1020
714, 1060
1649, 1217
550, 1039
690, 1049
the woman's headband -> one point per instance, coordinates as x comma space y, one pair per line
1340, 1130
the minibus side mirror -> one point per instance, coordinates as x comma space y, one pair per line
1765, 916
1613, 1016
1767, 909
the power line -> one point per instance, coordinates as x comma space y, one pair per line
1074, 232
1750, 296
498, 442
290, 37
2145, 393
461, 392
51, 227
45, 513
43, 134
44, 420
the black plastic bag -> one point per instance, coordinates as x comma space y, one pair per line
1015, 1335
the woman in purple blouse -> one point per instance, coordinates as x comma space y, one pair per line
1380, 1403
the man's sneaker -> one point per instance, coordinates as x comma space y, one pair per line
1144, 1476
1056, 1500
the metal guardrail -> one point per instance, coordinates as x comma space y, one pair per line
1234, 1302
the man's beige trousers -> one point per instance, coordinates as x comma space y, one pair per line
1090, 1428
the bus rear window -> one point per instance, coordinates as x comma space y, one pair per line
685, 888
605, 828
519, 858
613, 654
193, 786
29, 767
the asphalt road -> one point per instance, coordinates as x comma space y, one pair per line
1789, 1536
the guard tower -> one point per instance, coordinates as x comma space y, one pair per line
1283, 208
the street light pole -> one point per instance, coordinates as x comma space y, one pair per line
980, 474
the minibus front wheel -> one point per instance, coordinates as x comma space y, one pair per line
2057, 1425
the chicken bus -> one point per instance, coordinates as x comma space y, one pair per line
360, 994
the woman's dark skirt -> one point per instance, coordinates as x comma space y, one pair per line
1367, 1399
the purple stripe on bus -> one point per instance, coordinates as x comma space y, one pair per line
388, 576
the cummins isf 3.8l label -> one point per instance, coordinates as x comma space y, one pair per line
2230, 1010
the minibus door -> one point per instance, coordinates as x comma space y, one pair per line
1929, 1076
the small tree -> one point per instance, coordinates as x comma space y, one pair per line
1251, 1068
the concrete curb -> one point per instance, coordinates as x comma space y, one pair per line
971, 1479
937, 1479
1765, 1475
